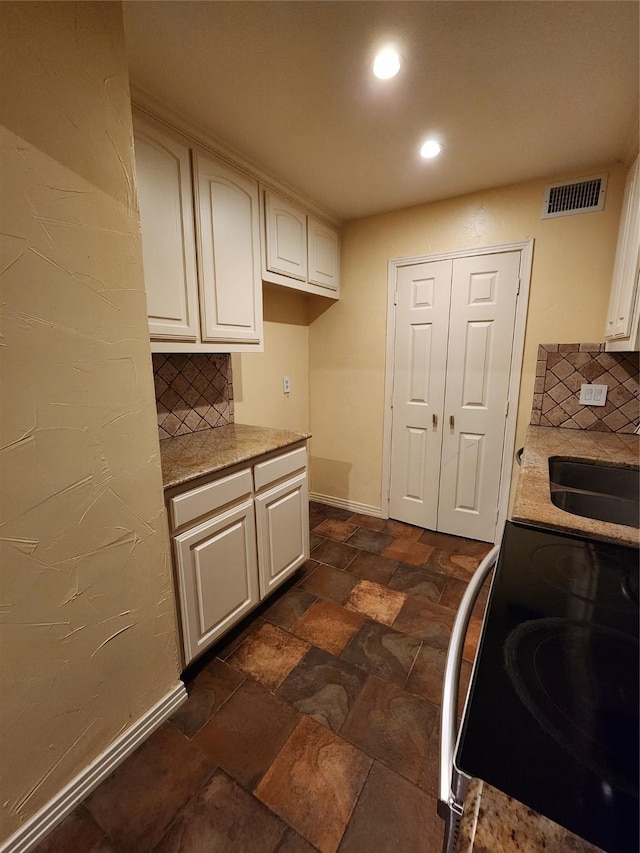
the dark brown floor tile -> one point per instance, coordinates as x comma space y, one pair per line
315, 518
305, 570
430, 771
393, 816
459, 566
383, 652
373, 567
370, 540
207, 692
428, 672
77, 832
444, 541
328, 626
327, 582
417, 580
375, 601
472, 639
223, 818
408, 551
269, 655
335, 554
454, 589
315, 506
245, 735
237, 636
323, 687
288, 608
400, 529
368, 521
139, 800
391, 725
314, 783
331, 528
335, 512
294, 843
315, 540
426, 620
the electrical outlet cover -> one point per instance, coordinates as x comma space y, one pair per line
593, 395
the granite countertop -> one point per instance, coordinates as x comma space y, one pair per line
494, 822
186, 457
533, 502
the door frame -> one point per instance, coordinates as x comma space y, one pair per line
525, 247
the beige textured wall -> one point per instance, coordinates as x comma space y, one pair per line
88, 639
257, 377
572, 266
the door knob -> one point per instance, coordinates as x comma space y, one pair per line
452, 421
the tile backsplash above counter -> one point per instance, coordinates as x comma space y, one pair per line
561, 371
193, 392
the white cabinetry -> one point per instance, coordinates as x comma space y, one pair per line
236, 538
168, 242
623, 318
219, 307
299, 250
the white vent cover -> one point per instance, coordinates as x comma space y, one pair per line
580, 196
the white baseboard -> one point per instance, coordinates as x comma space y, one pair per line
364, 509
38, 826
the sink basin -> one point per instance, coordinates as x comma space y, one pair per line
593, 490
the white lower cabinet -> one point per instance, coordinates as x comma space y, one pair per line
282, 518
217, 572
236, 538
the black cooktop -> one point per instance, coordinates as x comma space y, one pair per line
552, 714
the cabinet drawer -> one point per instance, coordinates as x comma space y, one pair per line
210, 497
268, 472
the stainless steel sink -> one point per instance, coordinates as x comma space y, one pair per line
593, 490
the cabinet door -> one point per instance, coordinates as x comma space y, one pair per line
282, 516
286, 237
163, 175
324, 254
218, 576
229, 243
624, 288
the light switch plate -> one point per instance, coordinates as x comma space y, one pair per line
593, 395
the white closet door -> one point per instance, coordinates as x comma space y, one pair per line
422, 328
483, 303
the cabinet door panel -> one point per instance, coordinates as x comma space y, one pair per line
229, 243
217, 572
168, 242
286, 233
282, 516
324, 254
624, 289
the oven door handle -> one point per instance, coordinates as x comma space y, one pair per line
449, 732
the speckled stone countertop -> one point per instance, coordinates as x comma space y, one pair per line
533, 501
186, 457
495, 823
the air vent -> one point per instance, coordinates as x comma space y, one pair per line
581, 196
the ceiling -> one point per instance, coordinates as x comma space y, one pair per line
513, 89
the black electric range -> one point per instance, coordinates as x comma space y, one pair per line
552, 713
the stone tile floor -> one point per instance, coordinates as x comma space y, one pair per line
314, 725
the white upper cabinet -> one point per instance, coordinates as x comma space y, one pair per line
324, 254
299, 250
623, 319
228, 227
214, 304
286, 237
168, 244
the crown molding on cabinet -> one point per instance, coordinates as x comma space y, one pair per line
156, 110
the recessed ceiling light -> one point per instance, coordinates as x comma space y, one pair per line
386, 64
430, 149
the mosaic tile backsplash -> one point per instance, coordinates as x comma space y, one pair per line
193, 392
563, 368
